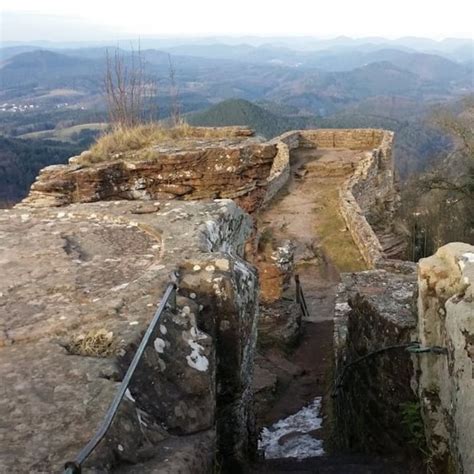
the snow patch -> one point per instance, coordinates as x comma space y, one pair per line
290, 438
195, 359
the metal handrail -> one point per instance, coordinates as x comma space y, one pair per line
413, 347
300, 299
75, 467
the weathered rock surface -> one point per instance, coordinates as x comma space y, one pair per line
72, 274
183, 454
275, 264
233, 168
280, 323
446, 381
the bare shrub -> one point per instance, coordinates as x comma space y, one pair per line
125, 87
175, 111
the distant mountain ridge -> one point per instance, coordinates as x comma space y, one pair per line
453, 48
328, 75
49, 68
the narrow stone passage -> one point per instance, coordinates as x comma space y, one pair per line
312, 363
297, 424
307, 214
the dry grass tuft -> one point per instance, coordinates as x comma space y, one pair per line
122, 140
95, 343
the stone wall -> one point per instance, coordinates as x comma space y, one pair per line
445, 382
374, 310
362, 232
367, 198
353, 139
280, 171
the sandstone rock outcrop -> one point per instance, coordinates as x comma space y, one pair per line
446, 381
275, 265
233, 168
240, 168
72, 274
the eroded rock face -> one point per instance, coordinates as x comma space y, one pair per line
236, 169
280, 324
72, 274
230, 287
275, 265
446, 382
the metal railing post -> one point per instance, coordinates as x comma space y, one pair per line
300, 299
298, 288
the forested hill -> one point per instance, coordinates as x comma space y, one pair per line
21, 160
243, 112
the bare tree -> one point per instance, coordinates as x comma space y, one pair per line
175, 112
461, 129
439, 206
125, 87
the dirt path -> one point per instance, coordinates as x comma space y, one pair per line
307, 213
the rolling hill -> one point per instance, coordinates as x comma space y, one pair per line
243, 112
50, 69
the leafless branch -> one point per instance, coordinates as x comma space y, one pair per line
124, 86
174, 94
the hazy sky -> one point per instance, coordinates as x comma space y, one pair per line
94, 19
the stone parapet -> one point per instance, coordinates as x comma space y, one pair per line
370, 192
281, 169
353, 139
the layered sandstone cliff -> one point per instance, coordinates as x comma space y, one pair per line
236, 168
